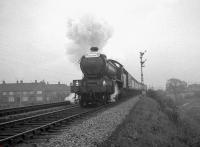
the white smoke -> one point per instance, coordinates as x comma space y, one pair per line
113, 97
85, 33
71, 98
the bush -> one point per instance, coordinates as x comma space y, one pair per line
197, 94
166, 104
188, 130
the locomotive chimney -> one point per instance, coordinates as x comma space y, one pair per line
94, 49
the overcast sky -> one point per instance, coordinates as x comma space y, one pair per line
33, 38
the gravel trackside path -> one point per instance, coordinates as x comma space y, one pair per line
93, 130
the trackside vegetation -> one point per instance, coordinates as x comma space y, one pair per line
155, 121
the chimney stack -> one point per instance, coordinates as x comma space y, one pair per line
94, 49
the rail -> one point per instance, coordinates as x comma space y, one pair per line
17, 110
16, 131
19, 130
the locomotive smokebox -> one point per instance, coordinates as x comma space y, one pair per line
95, 64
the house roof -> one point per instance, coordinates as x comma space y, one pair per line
33, 87
57, 87
22, 86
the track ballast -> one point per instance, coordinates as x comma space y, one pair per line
15, 131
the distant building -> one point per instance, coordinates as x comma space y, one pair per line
20, 94
194, 88
56, 92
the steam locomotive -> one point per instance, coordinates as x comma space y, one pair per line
104, 80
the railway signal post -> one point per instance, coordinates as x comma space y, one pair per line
142, 65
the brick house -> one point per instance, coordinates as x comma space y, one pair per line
21, 94
56, 91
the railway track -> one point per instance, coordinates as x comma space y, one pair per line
15, 131
32, 113
17, 110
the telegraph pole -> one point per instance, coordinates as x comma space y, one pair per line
142, 65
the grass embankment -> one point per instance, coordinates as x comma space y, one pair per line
154, 122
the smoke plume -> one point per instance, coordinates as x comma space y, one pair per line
85, 33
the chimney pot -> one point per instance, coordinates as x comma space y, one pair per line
94, 49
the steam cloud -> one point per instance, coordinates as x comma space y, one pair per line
86, 33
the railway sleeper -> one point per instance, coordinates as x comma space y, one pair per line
56, 128
9, 133
13, 127
52, 119
36, 131
16, 140
44, 136
32, 125
57, 124
5, 135
28, 135
2, 137
49, 133
47, 121
47, 127
14, 130
69, 120
35, 124
52, 131
4, 127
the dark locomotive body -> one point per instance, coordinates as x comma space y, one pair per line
103, 81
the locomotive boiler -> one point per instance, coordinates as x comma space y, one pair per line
103, 79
